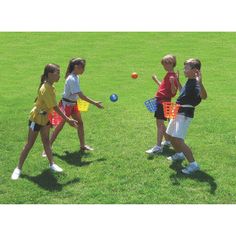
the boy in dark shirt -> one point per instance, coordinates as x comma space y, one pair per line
191, 95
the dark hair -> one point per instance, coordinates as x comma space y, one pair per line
72, 63
49, 68
193, 63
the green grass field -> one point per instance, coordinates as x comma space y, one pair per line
118, 171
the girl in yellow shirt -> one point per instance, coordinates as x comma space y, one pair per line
38, 120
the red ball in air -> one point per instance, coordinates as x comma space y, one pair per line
134, 75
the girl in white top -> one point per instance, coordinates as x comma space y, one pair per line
70, 96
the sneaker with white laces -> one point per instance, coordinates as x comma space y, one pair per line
166, 143
155, 149
55, 168
178, 156
190, 169
16, 174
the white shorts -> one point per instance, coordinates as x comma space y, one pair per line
178, 127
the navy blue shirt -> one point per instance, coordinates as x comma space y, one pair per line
189, 95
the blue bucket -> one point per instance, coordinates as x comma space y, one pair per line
151, 104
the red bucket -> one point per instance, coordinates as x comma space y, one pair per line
170, 109
54, 118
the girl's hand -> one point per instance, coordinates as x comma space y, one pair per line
99, 105
72, 122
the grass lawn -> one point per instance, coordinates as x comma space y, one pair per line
118, 171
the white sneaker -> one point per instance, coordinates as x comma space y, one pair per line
178, 156
86, 148
55, 168
16, 174
44, 154
190, 169
166, 143
155, 149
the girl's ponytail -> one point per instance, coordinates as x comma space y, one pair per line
70, 67
43, 79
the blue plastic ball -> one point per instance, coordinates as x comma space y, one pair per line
114, 97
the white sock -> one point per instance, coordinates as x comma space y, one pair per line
194, 163
180, 153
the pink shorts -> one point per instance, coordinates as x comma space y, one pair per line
69, 109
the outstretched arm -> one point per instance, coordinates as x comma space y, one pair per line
87, 99
203, 93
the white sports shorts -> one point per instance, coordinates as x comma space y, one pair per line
178, 127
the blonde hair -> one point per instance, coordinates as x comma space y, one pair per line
169, 59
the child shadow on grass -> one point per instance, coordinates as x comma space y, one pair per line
75, 158
200, 176
177, 166
49, 181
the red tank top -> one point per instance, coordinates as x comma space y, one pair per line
164, 93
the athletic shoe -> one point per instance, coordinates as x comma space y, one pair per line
16, 174
155, 149
178, 156
44, 154
166, 143
86, 148
55, 168
191, 168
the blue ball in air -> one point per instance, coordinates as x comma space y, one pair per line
114, 97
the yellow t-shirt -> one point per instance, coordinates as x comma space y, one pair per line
44, 104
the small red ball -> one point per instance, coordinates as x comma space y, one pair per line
134, 75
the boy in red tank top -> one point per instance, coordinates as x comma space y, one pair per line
167, 89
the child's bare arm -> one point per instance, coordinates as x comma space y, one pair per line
172, 85
87, 99
203, 93
154, 77
178, 82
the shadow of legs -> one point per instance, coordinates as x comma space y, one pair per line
200, 176
48, 180
75, 158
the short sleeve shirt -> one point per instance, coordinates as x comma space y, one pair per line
44, 104
164, 93
71, 88
189, 95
